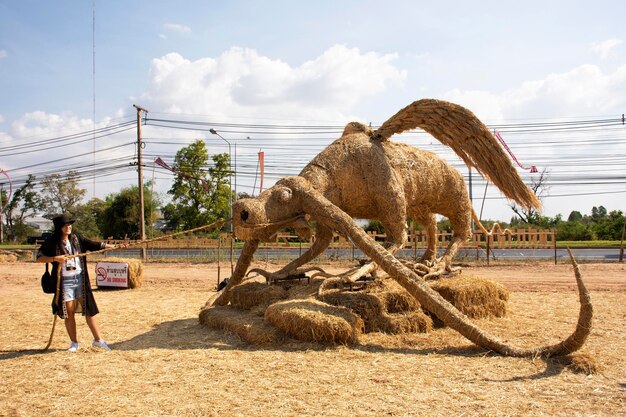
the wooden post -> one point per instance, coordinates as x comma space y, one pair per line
232, 243
142, 221
488, 239
219, 255
554, 243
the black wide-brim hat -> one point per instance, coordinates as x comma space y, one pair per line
60, 221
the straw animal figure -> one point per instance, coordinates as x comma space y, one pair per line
298, 191
370, 177
364, 175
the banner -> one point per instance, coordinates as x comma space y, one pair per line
262, 169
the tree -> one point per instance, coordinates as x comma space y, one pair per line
539, 187
375, 226
608, 227
598, 212
575, 216
88, 217
574, 230
120, 216
24, 203
200, 195
61, 195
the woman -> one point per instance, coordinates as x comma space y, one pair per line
74, 293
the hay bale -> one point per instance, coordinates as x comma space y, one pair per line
315, 321
251, 294
402, 315
7, 258
410, 322
135, 270
250, 328
367, 306
476, 297
399, 301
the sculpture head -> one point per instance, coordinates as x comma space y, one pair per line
274, 209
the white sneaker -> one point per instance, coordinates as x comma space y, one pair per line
100, 344
73, 347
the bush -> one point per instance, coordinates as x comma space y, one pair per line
575, 230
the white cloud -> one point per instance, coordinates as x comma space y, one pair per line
583, 91
243, 83
5, 139
38, 125
3, 54
1, 118
41, 123
604, 48
175, 27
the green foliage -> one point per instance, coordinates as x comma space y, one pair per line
574, 230
375, 226
575, 216
444, 225
61, 195
24, 202
598, 212
609, 227
200, 193
120, 217
87, 216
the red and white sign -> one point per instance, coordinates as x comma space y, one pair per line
112, 274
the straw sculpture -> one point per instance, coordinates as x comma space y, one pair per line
315, 321
364, 175
135, 270
300, 194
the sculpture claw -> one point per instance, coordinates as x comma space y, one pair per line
273, 277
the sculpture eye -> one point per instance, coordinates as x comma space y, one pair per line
284, 195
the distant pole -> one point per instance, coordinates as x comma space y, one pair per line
142, 221
621, 246
93, 87
1, 210
230, 176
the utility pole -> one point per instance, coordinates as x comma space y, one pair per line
142, 221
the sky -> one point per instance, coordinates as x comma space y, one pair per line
285, 77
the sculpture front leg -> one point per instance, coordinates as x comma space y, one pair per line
243, 263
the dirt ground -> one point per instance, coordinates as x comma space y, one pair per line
164, 363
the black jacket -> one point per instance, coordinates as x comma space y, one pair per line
53, 247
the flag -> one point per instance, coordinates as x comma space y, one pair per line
261, 169
162, 163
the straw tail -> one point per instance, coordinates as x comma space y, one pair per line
458, 128
330, 215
